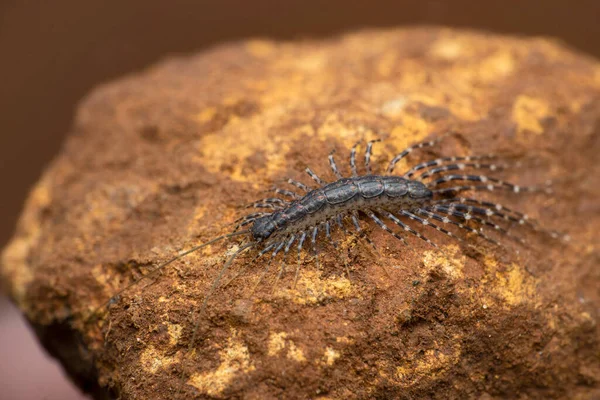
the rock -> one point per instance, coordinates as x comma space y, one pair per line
161, 161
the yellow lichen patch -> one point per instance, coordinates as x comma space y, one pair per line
498, 65
333, 127
174, 333
311, 288
235, 359
152, 360
206, 115
449, 48
344, 339
447, 260
428, 365
295, 353
515, 285
14, 257
276, 343
330, 356
412, 130
527, 113
395, 106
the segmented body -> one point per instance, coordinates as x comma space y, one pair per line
342, 197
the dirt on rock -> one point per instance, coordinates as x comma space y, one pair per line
163, 160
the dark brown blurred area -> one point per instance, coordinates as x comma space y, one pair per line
54, 52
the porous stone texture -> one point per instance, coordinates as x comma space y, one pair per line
162, 160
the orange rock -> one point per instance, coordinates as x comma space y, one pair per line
162, 160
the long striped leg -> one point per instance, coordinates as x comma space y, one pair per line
455, 211
286, 250
328, 235
359, 230
274, 203
299, 185
368, 153
313, 241
490, 188
279, 246
248, 219
426, 222
245, 266
440, 161
446, 220
333, 165
407, 228
383, 226
410, 149
353, 159
339, 220
458, 167
495, 183
498, 210
300, 244
314, 176
492, 209
284, 192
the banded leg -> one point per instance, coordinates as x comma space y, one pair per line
368, 153
278, 246
438, 162
410, 149
426, 222
496, 183
340, 223
328, 234
493, 209
498, 210
447, 220
383, 226
286, 250
407, 228
300, 244
455, 211
248, 219
353, 159
299, 185
285, 193
314, 177
313, 241
359, 230
458, 167
333, 165
245, 266
490, 188
271, 202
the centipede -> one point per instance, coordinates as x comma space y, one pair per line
431, 195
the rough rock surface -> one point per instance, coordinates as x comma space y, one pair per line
162, 161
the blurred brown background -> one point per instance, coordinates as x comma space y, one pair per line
53, 52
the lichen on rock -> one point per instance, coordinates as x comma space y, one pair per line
161, 161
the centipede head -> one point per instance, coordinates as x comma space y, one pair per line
262, 228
